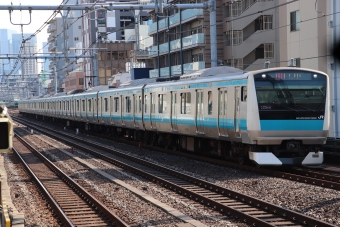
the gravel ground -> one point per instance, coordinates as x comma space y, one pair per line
25, 195
127, 205
318, 202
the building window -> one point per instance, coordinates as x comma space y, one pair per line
295, 21
297, 62
81, 81
197, 57
234, 38
186, 103
268, 50
76, 38
267, 22
236, 63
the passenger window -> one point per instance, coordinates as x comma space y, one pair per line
140, 103
89, 102
106, 105
244, 94
210, 102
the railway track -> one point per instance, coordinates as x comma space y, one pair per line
73, 205
302, 175
253, 211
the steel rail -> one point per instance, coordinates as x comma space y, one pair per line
75, 186
56, 208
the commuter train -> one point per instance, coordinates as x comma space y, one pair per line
276, 116
6, 129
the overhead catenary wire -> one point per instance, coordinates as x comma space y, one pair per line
34, 34
93, 4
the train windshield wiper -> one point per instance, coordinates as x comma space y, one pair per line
305, 108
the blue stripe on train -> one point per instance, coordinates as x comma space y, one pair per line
267, 125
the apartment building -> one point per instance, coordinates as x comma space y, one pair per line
181, 40
103, 26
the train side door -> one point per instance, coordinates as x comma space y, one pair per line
134, 109
122, 108
152, 110
237, 111
173, 116
199, 112
222, 112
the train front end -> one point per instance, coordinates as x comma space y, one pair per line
6, 130
292, 116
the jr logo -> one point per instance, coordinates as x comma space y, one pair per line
320, 117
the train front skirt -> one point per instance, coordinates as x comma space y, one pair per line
268, 158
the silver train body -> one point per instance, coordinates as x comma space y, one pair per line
277, 116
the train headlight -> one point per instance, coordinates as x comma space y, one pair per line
263, 76
315, 76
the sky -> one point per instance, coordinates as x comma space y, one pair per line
38, 17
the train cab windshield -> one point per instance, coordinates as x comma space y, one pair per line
291, 94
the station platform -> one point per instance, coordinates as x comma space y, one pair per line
10, 217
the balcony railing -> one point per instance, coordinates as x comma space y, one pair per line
176, 69
51, 28
175, 45
174, 19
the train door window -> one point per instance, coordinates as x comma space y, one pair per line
140, 104
153, 103
68, 105
173, 102
160, 103
222, 102
77, 105
244, 94
106, 105
83, 104
146, 99
111, 104
210, 102
186, 103
95, 105
64, 105
128, 104
89, 105
116, 104
165, 104
135, 104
